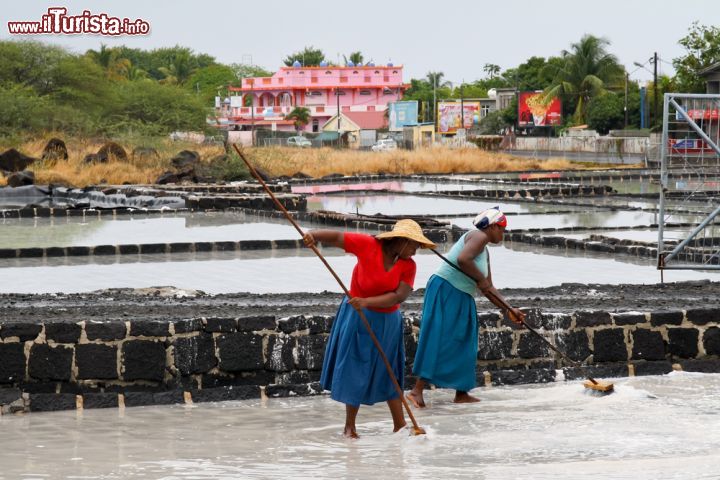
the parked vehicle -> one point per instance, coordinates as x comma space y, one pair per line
299, 141
384, 145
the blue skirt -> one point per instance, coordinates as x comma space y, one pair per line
352, 369
447, 349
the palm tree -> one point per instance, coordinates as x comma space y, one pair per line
179, 69
436, 79
355, 57
587, 71
491, 69
300, 117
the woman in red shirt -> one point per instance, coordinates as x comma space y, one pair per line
382, 279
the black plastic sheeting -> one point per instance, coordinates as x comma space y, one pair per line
61, 197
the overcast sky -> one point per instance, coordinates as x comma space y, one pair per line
456, 37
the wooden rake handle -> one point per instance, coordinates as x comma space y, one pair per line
416, 427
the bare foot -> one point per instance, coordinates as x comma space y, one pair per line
464, 397
400, 427
416, 399
350, 433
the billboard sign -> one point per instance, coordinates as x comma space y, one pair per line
534, 110
402, 114
448, 116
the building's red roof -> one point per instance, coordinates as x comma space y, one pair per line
367, 120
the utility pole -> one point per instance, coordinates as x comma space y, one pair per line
252, 111
337, 95
434, 107
627, 78
462, 107
655, 88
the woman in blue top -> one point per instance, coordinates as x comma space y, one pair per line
447, 349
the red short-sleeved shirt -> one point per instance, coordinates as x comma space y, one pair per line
369, 277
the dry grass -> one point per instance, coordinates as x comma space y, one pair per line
74, 172
324, 161
275, 160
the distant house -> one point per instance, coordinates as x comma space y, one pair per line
711, 76
353, 123
324, 90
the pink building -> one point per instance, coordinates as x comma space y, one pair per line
322, 90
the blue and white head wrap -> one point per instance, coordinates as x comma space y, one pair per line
489, 217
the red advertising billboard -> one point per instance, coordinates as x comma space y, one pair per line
534, 110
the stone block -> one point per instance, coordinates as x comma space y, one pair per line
609, 345
220, 394
658, 319
647, 345
143, 360
152, 248
195, 354
78, 251
683, 342
180, 247
652, 368
284, 391
220, 325
711, 341
63, 332
556, 321
105, 250
96, 361
25, 331
488, 319
311, 351
30, 252
628, 318
254, 324
12, 362
575, 344
703, 316
255, 245
149, 328
9, 396
495, 345
279, 353
50, 363
189, 325
518, 377
319, 324
255, 377
292, 324
531, 346
595, 318
203, 247
100, 400
51, 402
129, 249
105, 331
240, 352
703, 366
55, 252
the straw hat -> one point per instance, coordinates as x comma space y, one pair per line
408, 229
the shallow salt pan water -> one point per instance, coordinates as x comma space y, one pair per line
298, 270
663, 427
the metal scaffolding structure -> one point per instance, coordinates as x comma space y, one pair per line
690, 182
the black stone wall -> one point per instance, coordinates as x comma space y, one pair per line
55, 366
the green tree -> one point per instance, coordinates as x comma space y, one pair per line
355, 57
491, 70
493, 123
587, 71
605, 113
308, 57
247, 71
208, 81
702, 46
300, 117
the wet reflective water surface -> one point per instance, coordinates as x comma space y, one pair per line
661, 427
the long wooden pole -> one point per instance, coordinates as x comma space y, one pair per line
417, 430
